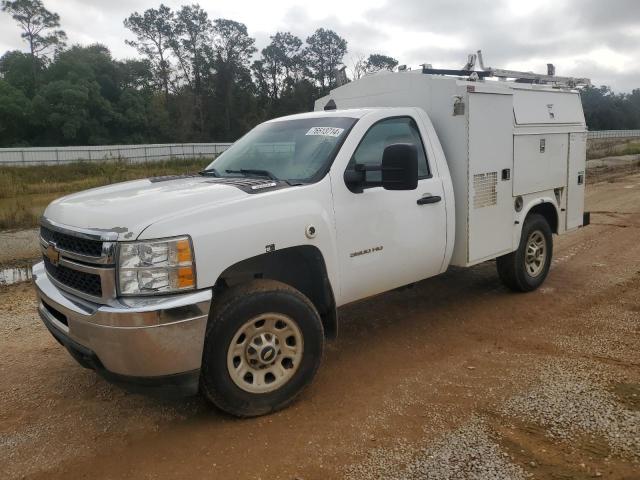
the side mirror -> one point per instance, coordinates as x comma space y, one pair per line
400, 167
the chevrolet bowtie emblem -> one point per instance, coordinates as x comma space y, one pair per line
53, 254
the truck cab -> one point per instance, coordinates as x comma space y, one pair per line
228, 281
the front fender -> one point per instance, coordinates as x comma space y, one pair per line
227, 234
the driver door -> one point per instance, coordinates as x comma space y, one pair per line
387, 239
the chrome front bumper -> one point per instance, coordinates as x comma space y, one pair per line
143, 339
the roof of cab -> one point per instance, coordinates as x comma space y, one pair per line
350, 113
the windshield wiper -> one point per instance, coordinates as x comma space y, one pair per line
252, 171
210, 171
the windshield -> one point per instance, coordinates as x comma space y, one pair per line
291, 150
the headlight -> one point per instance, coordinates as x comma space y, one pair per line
157, 266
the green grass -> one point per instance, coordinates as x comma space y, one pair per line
15, 181
26, 191
631, 149
612, 147
20, 217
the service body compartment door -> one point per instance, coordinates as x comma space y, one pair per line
491, 212
576, 179
540, 162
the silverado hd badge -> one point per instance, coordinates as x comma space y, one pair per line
364, 252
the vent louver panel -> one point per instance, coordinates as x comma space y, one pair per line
484, 188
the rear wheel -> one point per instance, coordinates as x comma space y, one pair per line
263, 346
526, 269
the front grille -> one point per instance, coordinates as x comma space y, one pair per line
72, 244
83, 282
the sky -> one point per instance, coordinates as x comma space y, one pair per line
597, 39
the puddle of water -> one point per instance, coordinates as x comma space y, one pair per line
9, 276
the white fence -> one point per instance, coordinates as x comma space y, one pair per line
159, 151
613, 134
103, 153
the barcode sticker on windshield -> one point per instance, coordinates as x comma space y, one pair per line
325, 131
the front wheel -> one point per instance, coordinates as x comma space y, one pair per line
263, 345
526, 269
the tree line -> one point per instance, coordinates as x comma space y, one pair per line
197, 80
606, 110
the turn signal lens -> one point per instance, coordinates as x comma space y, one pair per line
183, 250
186, 278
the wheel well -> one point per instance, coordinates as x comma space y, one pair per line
548, 211
301, 267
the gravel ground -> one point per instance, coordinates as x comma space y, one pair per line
18, 246
568, 402
468, 452
572, 400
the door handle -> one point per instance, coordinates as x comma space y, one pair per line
429, 199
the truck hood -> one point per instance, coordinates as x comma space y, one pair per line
130, 207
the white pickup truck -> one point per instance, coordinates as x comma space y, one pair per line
228, 281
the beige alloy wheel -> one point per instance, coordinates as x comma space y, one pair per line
535, 254
524, 269
265, 353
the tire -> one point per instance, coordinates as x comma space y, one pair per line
282, 354
521, 272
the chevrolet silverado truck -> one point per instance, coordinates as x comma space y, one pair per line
228, 281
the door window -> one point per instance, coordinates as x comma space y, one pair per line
385, 133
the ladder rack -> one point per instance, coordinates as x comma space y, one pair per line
518, 77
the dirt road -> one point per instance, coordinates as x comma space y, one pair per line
454, 378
